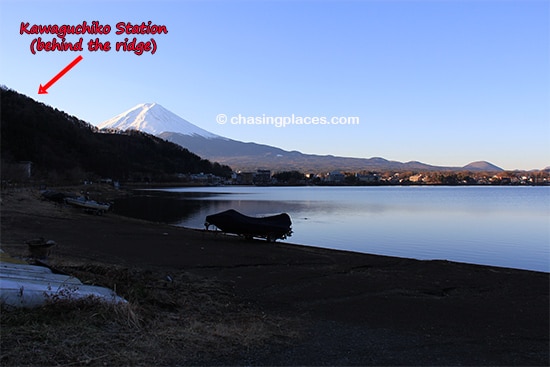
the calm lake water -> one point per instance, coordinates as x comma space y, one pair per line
502, 226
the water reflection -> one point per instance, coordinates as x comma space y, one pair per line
157, 207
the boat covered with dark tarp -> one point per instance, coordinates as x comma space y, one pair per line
272, 227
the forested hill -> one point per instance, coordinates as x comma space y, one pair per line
64, 147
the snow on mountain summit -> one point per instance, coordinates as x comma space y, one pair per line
154, 119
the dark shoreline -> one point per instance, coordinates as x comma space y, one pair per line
348, 308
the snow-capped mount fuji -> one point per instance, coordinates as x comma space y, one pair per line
154, 119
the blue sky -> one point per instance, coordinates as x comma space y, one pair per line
442, 82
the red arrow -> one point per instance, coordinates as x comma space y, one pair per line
44, 89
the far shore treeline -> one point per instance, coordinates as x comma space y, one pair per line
40, 144
410, 178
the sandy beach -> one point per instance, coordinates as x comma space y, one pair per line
206, 299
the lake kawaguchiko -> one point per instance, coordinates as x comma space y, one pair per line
488, 225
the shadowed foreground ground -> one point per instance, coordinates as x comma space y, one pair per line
203, 299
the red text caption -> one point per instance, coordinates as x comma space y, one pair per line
59, 41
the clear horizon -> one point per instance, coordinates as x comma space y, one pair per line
441, 82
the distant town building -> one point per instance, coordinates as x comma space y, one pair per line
335, 177
26, 169
368, 178
20, 171
416, 178
203, 178
245, 178
262, 177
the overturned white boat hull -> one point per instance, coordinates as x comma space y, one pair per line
23, 285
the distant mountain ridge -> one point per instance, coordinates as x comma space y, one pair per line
155, 119
252, 156
481, 166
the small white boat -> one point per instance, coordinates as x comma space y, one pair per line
23, 285
87, 204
